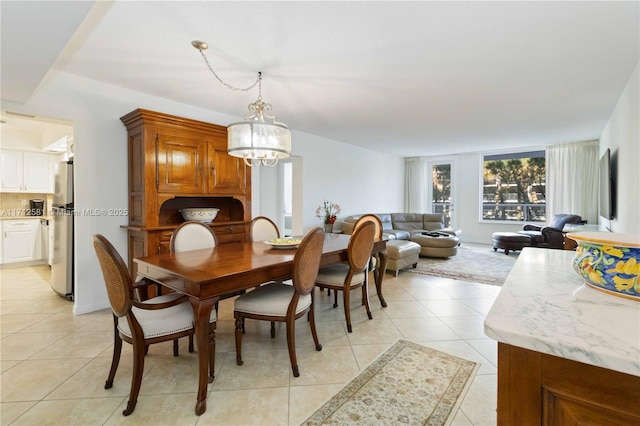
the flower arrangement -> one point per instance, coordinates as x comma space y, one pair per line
328, 212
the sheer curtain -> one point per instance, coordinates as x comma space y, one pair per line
416, 181
572, 179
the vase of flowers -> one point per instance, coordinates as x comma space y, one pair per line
328, 212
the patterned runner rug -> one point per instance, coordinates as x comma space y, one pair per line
473, 264
408, 384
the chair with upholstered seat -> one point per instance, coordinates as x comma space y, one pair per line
375, 259
263, 229
192, 235
278, 302
346, 277
159, 319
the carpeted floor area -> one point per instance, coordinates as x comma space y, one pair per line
473, 263
408, 384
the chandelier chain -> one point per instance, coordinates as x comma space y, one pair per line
230, 87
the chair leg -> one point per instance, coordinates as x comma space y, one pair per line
273, 329
239, 327
176, 347
312, 324
347, 308
365, 297
212, 351
136, 379
291, 345
335, 298
191, 349
115, 360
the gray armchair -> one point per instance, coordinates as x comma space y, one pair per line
550, 236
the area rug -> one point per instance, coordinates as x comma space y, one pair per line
474, 264
408, 384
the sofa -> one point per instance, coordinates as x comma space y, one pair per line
401, 226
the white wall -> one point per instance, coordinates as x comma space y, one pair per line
622, 136
358, 179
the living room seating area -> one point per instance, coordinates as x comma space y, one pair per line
547, 236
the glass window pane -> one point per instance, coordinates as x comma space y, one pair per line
441, 191
514, 187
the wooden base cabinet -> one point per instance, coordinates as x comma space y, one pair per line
540, 389
177, 163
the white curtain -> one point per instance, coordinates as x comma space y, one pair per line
572, 180
416, 181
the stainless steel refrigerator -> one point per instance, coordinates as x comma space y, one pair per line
63, 213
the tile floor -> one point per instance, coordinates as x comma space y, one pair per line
54, 364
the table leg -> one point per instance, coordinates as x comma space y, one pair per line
201, 313
380, 276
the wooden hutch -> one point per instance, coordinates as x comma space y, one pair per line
177, 163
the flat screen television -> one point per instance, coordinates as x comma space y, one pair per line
607, 188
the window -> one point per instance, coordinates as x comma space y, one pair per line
514, 187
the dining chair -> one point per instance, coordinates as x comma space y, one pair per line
263, 229
278, 302
348, 276
156, 320
375, 259
192, 235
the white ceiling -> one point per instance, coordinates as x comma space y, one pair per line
409, 78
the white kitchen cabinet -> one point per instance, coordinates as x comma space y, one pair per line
21, 240
24, 171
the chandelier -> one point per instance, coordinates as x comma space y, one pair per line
259, 140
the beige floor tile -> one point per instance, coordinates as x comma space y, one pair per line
467, 327
6, 365
154, 410
460, 419
88, 382
462, 349
20, 346
61, 321
51, 304
78, 412
366, 354
166, 374
407, 309
448, 307
33, 380
305, 400
487, 347
262, 407
261, 369
479, 405
81, 344
9, 411
331, 365
374, 331
11, 323
424, 329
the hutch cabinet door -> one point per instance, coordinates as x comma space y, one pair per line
181, 165
226, 173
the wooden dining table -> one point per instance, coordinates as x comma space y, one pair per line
206, 275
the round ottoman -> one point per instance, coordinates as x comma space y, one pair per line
509, 241
441, 246
400, 254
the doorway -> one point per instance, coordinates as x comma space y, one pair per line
281, 195
442, 193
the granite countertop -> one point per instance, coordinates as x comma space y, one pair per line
544, 306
